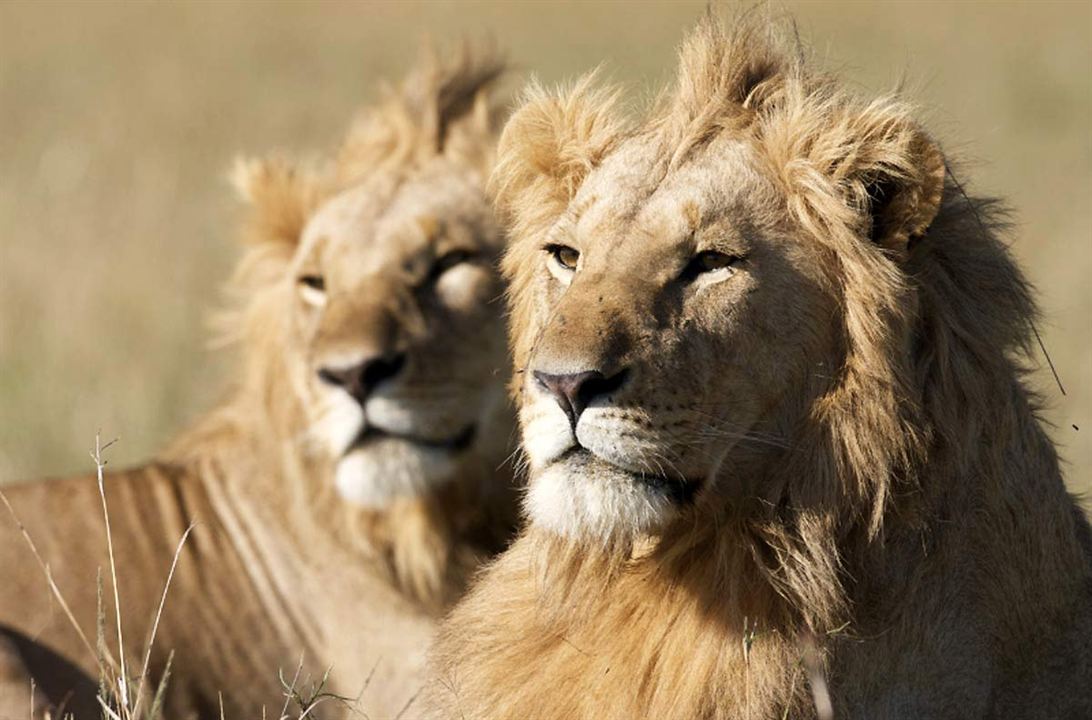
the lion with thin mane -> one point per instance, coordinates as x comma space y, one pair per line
351, 481
770, 379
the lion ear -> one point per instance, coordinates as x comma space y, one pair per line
549, 146
280, 196
900, 187
470, 140
443, 107
465, 113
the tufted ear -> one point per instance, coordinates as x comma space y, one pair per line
465, 114
866, 166
894, 176
444, 106
281, 197
902, 204
548, 147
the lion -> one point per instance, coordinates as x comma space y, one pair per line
352, 480
770, 378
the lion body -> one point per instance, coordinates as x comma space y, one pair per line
808, 476
336, 511
247, 604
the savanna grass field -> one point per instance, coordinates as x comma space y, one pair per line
118, 122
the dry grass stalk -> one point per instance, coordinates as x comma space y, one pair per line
100, 465
114, 682
820, 691
158, 697
307, 701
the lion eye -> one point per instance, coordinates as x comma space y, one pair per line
449, 260
564, 256
315, 282
312, 289
708, 261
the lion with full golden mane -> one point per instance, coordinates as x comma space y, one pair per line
782, 458
348, 485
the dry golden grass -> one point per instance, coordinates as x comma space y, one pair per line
117, 122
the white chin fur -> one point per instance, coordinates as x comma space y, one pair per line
388, 469
602, 506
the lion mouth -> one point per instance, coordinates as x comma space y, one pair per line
679, 490
453, 444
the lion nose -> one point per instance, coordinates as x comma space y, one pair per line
361, 379
575, 391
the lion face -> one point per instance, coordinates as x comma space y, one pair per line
372, 283
396, 341
700, 301
670, 316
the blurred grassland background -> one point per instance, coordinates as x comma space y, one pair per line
118, 121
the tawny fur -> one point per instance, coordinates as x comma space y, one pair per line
889, 509
279, 567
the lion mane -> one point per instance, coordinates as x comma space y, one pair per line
911, 551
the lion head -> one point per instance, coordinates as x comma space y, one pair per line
369, 287
713, 308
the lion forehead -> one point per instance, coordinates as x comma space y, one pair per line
369, 228
639, 183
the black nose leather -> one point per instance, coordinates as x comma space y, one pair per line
360, 380
575, 391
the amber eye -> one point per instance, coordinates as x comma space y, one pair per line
708, 261
564, 256
314, 282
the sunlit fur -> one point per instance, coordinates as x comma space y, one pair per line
302, 548
848, 404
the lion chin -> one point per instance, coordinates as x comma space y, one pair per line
380, 468
584, 497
